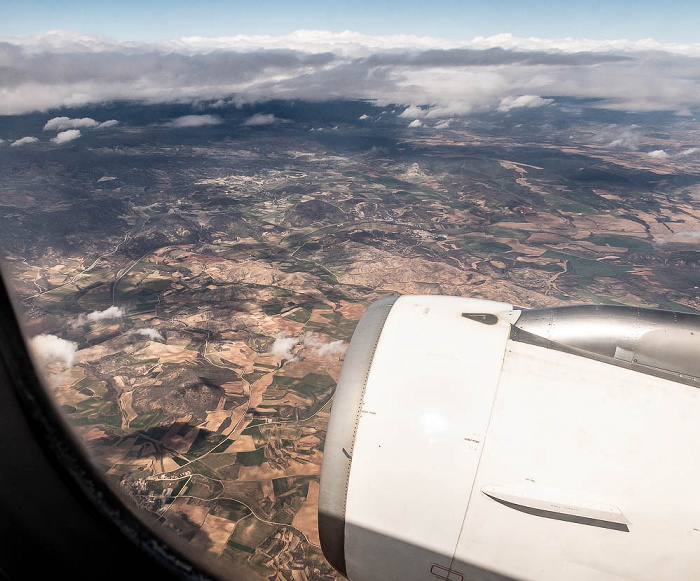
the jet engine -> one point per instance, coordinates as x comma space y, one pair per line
476, 440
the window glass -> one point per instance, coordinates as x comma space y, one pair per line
192, 242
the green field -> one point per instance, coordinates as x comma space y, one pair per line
238, 547
107, 420
313, 385
484, 246
230, 509
204, 442
519, 235
299, 315
149, 420
337, 326
301, 484
200, 487
588, 269
216, 461
254, 458
253, 377
251, 533
622, 242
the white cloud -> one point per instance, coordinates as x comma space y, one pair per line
260, 119
23, 141
526, 101
430, 77
194, 121
112, 312
363, 117
443, 124
291, 348
50, 348
149, 332
66, 136
658, 154
63, 123
416, 123
109, 313
331, 351
690, 151
690, 237
414, 112
284, 347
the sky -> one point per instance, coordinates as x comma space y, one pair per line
663, 20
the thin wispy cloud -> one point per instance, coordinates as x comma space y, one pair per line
691, 237
259, 119
617, 137
431, 77
331, 350
188, 121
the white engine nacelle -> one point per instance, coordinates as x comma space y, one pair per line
473, 440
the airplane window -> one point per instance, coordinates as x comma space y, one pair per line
192, 243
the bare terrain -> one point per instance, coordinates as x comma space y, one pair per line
240, 262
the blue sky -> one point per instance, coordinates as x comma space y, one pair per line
663, 20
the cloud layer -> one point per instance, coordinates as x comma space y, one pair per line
445, 77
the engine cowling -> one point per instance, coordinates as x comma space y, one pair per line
472, 439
